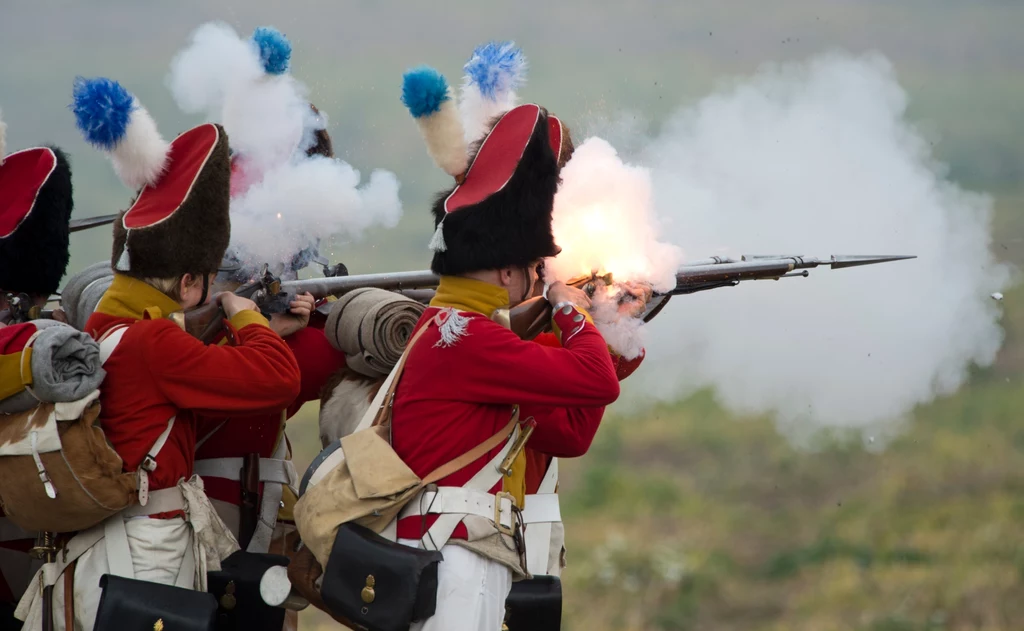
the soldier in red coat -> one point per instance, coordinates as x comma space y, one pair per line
228, 445
167, 248
467, 375
35, 210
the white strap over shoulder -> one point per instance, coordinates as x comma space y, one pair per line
149, 463
109, 341
378, 401
485, 479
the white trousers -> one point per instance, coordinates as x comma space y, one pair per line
471, 592
157, 547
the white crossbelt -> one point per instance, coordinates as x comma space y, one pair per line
112, 529
271, 469
463, 501
541, 511
275, 473
460, 501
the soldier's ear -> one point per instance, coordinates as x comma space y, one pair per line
505, 276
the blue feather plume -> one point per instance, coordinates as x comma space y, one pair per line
423, 91
275, 49
496, 67
102, 110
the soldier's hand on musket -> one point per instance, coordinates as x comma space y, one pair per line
633, 297
232, 304
284, 324
560, 292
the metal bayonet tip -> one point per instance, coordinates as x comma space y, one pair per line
841, 261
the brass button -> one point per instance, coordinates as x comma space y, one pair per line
228, 600
368, 594
567, 309
578, 318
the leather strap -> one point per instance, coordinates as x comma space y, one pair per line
69, 595
378, 412
474, 454
149, 463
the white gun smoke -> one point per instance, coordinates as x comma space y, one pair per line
814, 158
292, 200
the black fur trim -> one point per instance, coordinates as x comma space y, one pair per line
511, 228
194, 239
34, 259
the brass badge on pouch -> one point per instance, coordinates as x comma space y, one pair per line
367, 594
228, 600
159, 625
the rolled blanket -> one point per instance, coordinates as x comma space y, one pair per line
63, 365
83, 292
371, 326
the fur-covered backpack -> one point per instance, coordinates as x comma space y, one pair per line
58, 472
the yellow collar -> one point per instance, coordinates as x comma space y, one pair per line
129, 297
466, 294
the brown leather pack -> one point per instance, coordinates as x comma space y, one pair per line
58, 473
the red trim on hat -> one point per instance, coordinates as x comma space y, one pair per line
497, 159
185, 161
555, 136
22, 174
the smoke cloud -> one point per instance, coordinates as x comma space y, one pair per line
283, 202
293, 206
814, 158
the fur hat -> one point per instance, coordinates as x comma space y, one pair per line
499, 212
179, 222
35, 210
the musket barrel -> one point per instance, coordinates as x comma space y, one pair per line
731, 272
337, 285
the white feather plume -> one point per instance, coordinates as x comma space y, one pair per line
141, 155
446, 142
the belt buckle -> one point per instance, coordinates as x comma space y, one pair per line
505, 530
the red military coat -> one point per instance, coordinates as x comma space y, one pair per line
581, 423
259, 433
452, 398
159, 371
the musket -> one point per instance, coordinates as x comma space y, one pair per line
533, 316
90, 222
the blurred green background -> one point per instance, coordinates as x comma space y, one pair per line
685, 517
